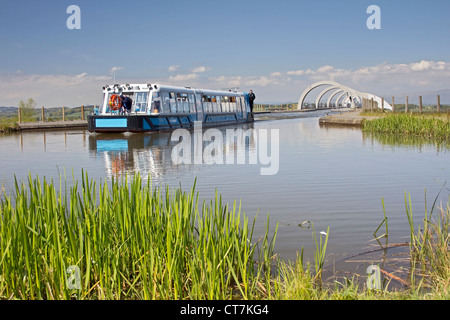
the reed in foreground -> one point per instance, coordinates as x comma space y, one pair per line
127, 241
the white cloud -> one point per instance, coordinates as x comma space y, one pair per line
383, 75
325, 69
262, 81
114, 70
200, 69
381, 79
173, 68
225, 82
51, 90
183, 77
300, 72
276, 74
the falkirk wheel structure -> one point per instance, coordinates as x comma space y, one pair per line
344, 96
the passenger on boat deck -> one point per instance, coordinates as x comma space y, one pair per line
125, 104
128, 102
251, 97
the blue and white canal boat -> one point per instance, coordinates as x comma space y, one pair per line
154, 107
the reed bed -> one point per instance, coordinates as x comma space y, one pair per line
128, 240
430, 248
429, 126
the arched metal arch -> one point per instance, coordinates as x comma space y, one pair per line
340, 97
320, 95
333, 84
333, 94
355, 95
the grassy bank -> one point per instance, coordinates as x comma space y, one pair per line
8, 124
435, 126
128, 240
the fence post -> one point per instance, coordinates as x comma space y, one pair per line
19, 112
42, 114
438, 103
382, 104
63, 113
82, 112
406, 105
393, 105
420, 104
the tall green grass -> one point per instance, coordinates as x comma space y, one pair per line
430, 246
430, 126
129, 241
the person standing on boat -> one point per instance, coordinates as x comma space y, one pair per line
127, 104
122, 104
251, 98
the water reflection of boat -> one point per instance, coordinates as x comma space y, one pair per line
151, 153
144, 153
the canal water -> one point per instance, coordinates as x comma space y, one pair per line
319, 176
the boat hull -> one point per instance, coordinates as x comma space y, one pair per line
148, 123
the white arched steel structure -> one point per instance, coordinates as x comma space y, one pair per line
355, 96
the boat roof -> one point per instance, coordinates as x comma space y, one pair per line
145, 87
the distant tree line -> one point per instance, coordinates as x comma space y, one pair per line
29, 112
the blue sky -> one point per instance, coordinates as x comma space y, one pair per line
277, 48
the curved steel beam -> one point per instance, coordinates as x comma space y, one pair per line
322, 83
320, 95
332, 96
340, 97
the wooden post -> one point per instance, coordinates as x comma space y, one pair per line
382, 104
406, 105
42, 114
438, 103
393, 105
63, 113
420, 104
19, 111
82, 112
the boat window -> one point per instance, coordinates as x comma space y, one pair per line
182, 102
247, 107
192, 103
207, 103
238, 104
140, 104
106, 108
165, 102
215, 103
173, 102
219, 103
155, 103
232, 104
198, 102
225, 105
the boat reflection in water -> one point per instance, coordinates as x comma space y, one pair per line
152, 154
128, 154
